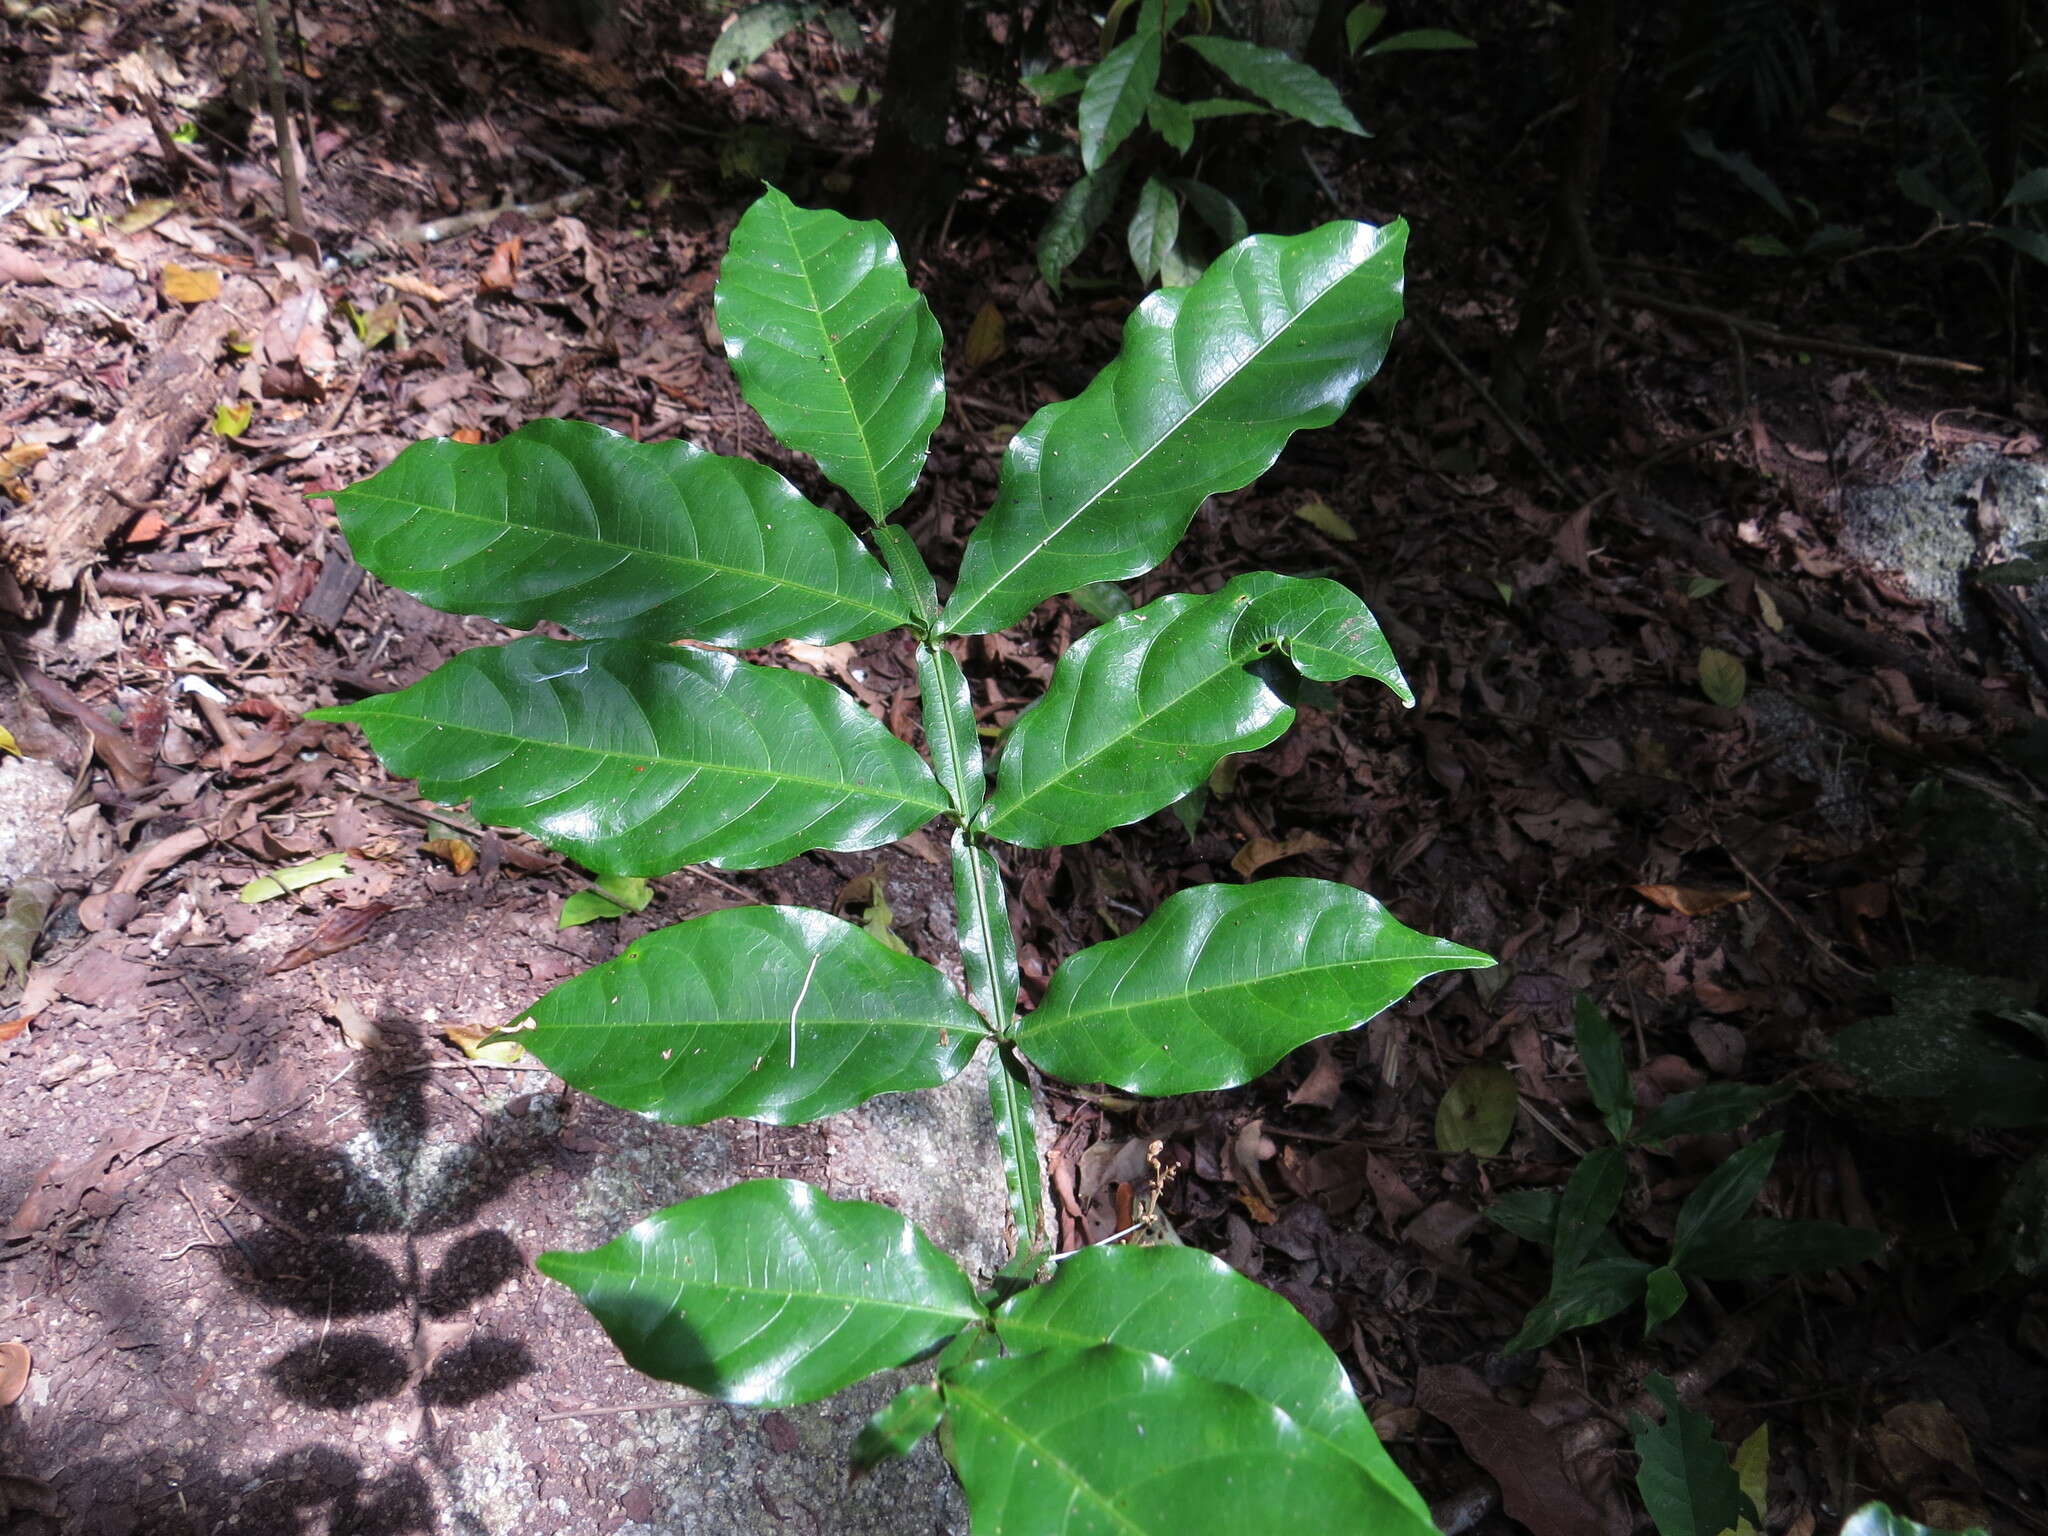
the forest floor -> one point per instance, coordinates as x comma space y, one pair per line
269, 1226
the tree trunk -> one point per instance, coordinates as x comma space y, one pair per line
1567, 245
911, 178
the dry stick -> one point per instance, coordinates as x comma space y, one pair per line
1771, 336
301, 239
463, 223
1519, 432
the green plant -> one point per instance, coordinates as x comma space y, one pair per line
1593, 1276
1121, 94
1152, 1387
1686, 1480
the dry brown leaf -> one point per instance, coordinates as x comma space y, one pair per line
987, 337
337, 931
502, 270
1261, 851
458, 853
186, 285
1324, 1082
1689, 901
1514, 1445
418, 288
17, 266
14, 1363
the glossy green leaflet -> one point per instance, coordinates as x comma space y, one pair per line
638, 755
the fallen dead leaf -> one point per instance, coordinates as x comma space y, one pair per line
986, 338
1689, 901
458, 853
1261, 851
418, 288
502, 270
1324, 518
186, 285
1324, 1082
1515, 1446
337, 931
14, 1363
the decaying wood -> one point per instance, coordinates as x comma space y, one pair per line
51, 540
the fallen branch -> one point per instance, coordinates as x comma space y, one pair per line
124, 463
1770, 336
462, 224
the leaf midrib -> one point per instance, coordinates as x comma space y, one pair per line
907, 1308
1073, 1477
630, 551
1071, 767
1178, 1363
361, 712
1072, 1015
992, 587
869, 464
780, 1021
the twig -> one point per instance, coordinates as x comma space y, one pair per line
1770, 336
1821, 946
656, 1406
1516, 430
301, 236
462, 224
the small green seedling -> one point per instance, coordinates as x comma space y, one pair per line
1593, 1276
1134, 131
1142, 1389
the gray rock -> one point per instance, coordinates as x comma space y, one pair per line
1927, 526
32, 799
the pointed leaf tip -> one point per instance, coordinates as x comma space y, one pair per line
831, 344
1224, 980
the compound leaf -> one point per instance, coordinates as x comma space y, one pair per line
1117, 92
1140, 710
1283, 83
569, 522
831, 344
775, 1013
1119, 1440
1277, 336
1207, 1319
769, 1293
637, 759
1224, 980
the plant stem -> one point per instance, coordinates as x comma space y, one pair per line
988, 945
287, 157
